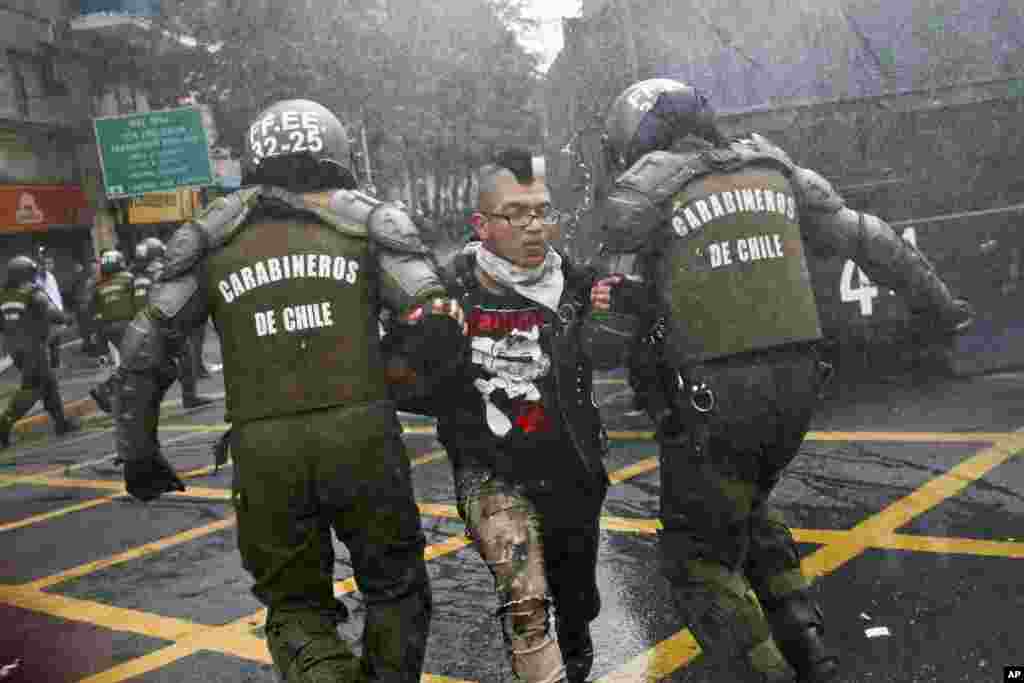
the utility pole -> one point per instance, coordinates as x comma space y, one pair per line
366, 153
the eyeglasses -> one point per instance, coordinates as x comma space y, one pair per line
547, 215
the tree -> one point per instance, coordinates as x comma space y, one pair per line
436, 85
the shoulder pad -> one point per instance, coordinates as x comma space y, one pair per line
392, 228
814, 193
333, 208
659, 175
224, 216
353, 207
186, 247
755, 150
762, 145
637, 204
448, 259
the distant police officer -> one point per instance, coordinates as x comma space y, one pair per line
719, 229
27, 316
115, 307
149, 263
293, 271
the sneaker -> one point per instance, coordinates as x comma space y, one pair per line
577, 652
190, 402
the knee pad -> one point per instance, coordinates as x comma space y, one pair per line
306, 648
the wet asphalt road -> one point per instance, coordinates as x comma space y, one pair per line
907, 499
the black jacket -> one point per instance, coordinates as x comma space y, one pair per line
577, 445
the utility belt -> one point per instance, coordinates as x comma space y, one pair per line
689, 399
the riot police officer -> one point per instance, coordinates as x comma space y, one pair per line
27, 314
728, 369
115, 308
149, 263
293, 270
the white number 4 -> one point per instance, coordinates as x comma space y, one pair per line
863, 291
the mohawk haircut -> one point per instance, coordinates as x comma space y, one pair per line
515, 161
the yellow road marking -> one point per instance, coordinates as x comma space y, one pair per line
912, 437
35, 519
671, 654
897, 437
98, 614
642, 467
132, 554
142, 665
882, 525
657, 662
10, 480
953, 546
236, 638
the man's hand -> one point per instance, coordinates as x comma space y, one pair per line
434, 337
601, 292
149, 478
443, 307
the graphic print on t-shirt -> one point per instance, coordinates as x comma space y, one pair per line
509, 360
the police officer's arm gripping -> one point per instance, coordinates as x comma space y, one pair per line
833, 229
178, 305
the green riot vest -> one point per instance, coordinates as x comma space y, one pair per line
140, 290
24, 325
144, 281
295, 304
734, 275
115, 298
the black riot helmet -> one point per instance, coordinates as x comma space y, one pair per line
651, 115
298, 145
154, 248
21, 269
111, 261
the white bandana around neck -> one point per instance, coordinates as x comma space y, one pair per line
543, 284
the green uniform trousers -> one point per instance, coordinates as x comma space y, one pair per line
729, 557
346, 468
37, 383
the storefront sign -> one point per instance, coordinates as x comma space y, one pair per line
163, 207
34, 208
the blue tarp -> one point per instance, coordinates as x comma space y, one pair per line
896, 40
130, 8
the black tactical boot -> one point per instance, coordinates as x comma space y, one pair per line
5, 431
798, 628
195, 401
101, 394
67, 425
577, 651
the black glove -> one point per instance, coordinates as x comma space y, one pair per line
434, 338
955, 320
149, 478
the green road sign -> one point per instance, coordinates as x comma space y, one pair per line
153, 152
